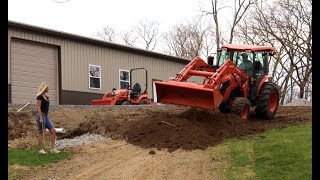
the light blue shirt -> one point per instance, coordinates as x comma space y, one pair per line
246, 66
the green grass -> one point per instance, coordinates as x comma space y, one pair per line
274, 154
31, 158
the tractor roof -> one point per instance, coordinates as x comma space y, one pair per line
248, 47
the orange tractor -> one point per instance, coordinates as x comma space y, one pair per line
236, 81
130, 96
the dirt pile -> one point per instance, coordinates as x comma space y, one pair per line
167, 127
20, 124
187, 128
192, 129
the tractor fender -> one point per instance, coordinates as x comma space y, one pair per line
142, 97
262, 81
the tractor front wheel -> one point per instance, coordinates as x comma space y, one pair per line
267, 101
224, 108
144, 101
125, 103
241, 107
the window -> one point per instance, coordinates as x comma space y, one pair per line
124, 80
260, 56
238, 57
94, 76
224, 56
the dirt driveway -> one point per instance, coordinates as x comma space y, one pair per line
167, 142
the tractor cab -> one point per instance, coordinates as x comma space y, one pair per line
252, 62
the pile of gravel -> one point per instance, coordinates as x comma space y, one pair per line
299, 102
80, 140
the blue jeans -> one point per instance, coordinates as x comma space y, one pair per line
46, 120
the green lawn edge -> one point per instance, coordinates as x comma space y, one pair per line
274, 154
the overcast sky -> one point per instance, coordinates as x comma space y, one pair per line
86, 17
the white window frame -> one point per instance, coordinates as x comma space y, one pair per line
123, 80
92, 65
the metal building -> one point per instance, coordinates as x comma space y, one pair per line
78, 69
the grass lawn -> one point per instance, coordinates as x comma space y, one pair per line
31, 158
274, 154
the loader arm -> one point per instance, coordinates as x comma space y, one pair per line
190, 68
214, 78
237, 76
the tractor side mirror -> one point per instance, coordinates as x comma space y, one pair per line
272, 53
210, 60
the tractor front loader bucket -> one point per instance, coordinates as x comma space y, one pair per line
104, 101
110, 100
188, 94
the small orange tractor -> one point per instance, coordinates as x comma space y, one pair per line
236, 81
130, 96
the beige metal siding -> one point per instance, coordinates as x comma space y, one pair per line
32, 63
80, 55
76, 55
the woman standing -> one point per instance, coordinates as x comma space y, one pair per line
43, 119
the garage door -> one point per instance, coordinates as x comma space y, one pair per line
31, 64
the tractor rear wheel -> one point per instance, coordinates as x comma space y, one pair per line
241, 107
144, 101
267, 101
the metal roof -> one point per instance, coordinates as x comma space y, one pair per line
248, 47
95, 41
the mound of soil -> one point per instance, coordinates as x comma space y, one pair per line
185, 128
20, 124
168, 127
191, 129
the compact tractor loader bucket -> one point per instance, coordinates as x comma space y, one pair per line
112, 98
188, 94
105, 101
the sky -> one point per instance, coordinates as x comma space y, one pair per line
86, 17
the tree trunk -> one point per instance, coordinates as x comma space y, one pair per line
291, 93
231, 35
284, 90
301, 94
307, 92
215, 18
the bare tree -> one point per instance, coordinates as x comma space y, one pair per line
214, 13
107, 34
208, 41
240, 8
186, 40
129, 38
148, 32
293, 20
